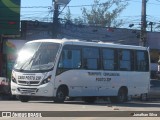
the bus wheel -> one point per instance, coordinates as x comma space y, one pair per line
90, 99
121, 97
60, 95
24, 98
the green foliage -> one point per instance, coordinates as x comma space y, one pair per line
78, 21
68, 15
105, 14
100, 14
157, 27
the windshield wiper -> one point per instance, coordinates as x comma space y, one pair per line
27, 63
21, 68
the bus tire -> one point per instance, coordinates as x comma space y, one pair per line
89, 99
24, 98
60, 95
121, 97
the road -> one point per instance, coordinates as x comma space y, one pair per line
79, 110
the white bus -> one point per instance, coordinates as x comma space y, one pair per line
72, 68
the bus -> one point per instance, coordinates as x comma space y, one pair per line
63, 68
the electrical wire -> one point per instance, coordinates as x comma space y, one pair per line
45, 16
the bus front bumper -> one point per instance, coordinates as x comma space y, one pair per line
45, 90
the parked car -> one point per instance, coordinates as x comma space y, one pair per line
154, 92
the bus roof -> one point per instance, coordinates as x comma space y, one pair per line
90, 43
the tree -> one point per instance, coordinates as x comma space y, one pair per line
78, 21
157, 28
105, 14
68, 18
68, 15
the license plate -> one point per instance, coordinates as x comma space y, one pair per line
26, 93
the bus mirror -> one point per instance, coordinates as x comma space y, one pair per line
69, 55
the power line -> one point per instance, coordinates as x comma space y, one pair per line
79, 5
121, 1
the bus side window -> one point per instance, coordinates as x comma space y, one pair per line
91, 58
125, 60
70, 59
65, 58
108, 60
69, 54
60, 64
120, 55
142, 61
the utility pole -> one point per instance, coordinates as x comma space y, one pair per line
143, 35
55, 20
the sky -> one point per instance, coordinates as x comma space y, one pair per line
42, 10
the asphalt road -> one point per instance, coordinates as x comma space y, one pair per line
79, 110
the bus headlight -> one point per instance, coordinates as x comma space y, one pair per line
48, 79
13, 79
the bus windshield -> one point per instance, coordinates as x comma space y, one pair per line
37, 56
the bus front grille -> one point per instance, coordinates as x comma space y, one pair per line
27, 90
28, 82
